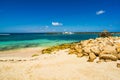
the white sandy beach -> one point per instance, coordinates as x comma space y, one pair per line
59, 66
23, 52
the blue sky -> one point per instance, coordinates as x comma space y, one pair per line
59, 15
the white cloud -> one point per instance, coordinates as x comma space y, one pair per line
100, 12
56, 24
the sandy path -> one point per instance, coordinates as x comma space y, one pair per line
60, 66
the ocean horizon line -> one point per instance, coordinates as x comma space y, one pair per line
4, 33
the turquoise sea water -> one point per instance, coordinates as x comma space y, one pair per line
23, 40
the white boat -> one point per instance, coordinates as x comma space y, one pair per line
68, 33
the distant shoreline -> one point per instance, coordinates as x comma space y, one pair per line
51, 32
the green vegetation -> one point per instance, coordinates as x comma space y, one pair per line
105, 33
57, 48
35, 55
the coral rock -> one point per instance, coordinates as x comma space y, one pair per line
110, 49
87, 50
92, 56
118, 56
118, 65
95, 49
79, 54
108, 56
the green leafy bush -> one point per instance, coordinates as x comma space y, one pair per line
105, 33
35, 55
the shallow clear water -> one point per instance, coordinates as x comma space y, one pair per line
23, 40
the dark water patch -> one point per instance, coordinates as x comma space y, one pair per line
22, 37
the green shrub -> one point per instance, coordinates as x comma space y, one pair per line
35, 55
105, 33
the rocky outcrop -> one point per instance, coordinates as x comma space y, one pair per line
92, 56
118, 65
107, 49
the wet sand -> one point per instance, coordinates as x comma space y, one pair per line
23, 52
